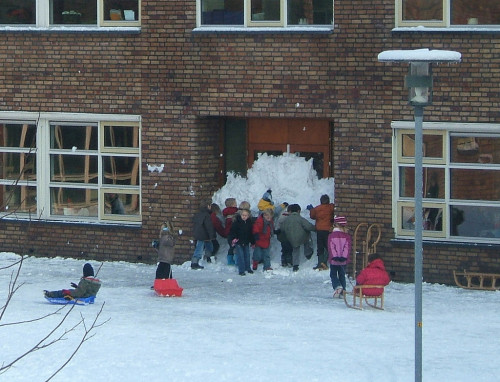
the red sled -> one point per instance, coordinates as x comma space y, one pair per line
167, 288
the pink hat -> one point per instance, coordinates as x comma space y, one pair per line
340, 220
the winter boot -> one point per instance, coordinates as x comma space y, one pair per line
196, 266
230, 260
255, 264
295, 268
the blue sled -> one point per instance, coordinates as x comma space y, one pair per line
76, 301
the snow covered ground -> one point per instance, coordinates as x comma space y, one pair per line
283, 326
280, 327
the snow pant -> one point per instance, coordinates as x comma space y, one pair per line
322, 246
242, 257
201, 248
296, 253
337, 275
163, 271
286, 253
216, 246
262, 254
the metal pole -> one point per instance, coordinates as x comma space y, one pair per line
419, 115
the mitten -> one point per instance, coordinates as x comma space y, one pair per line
74, 285
233, 243
310, 207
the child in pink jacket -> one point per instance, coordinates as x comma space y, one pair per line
339, 254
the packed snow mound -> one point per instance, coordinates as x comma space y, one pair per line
292, 179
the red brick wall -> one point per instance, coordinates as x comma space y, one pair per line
178, 81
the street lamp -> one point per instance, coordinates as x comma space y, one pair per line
419, 83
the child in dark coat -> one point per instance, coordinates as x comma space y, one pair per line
241, 238
229, 214
204, 233
87, 287
166, 251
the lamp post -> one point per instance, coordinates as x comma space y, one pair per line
419, 82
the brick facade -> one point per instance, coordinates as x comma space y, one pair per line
181, 82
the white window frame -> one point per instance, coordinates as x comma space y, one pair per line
444, 23
265, 25
43, 19
43, 152
447, 130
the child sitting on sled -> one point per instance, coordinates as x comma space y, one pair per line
373, 274
87, 287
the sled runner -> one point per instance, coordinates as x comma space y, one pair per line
358, 295
477, 280
167, 288
75, 301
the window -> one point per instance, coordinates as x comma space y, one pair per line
448, 13
60, 169
461, 181
71, 12
266, 13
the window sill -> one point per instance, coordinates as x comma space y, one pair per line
464, 29
428, 242
69, 29
264, 30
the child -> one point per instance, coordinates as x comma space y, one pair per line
286, 247
87, 287
323, 215
298, 232
262, 231
241, 238
166, 251
229, 214
373, 274
218, 222
204, 233
339, 253
266, 202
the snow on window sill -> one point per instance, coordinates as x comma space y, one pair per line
325, 29
453, 29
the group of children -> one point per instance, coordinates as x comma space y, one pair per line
242, 231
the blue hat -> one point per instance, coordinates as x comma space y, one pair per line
267, 196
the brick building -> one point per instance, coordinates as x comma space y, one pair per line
152, 101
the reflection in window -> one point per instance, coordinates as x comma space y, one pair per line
416, 10
475, 184
120, 170
18, 199
432, 146
433, 182
73, 12
69, 201
432, 218
18, 12
474, 12
121, 203
121, 136
475, 149
118, 10
476, 221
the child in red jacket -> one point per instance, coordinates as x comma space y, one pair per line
373, 274
262, 230
229, 214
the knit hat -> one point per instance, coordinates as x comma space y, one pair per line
88, 270
340, 220
267, 196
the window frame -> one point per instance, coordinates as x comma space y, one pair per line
257, 25
445, 23
448, 131
43, 152
43, 16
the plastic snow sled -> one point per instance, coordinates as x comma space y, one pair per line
75, 301
167, 288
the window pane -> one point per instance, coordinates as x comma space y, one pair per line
475, 184
73, 168
73, 11
121, 136
475, 149
21, 199
431, 219
116, 10
432, 146
265, 10
220, 12
73, 201
475, 221
433, 182
17, 135
73, 137
18, 166
474, 12
301, 12
121, 204
121, 170
417, 10
18, 12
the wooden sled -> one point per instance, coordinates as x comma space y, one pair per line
477, 280
358, 296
